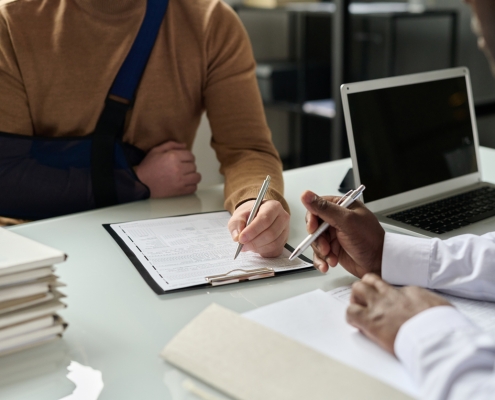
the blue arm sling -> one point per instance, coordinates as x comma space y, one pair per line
46, 177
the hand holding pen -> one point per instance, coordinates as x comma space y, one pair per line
268, 230
254, 210
345, 201
354, 238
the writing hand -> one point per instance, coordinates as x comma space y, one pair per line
168, 170
354, 238
379, 310
267, 233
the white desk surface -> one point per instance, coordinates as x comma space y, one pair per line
118, 326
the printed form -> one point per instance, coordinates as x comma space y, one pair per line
182, 251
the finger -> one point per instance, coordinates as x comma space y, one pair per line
191, 179
374, 280
188, 189
238, 220
319, 264
268, 242
356, 316
274, 248
321, 246
335, 246
363, 294
332, 258
325, 209
328, 247
312, 222
185, 156
187, 168
266, 216
167, 146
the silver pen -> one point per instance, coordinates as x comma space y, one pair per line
254, 210
345, 202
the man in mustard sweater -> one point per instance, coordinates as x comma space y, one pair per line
58, 59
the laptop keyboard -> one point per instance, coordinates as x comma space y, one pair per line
451, 213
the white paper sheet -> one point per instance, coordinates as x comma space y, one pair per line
181, 251
482, 313
317, 320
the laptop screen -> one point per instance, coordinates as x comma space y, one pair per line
411, 136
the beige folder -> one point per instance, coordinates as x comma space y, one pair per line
248, 361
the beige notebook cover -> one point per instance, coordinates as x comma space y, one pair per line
26, 314
27, 339
25, 276
25, 302
248, 361
18, 253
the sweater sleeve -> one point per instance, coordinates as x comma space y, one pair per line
15, 116
241, 137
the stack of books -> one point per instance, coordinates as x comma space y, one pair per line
29, 296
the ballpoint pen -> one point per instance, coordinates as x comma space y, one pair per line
345, 202
254, 210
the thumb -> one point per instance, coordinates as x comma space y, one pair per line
167, 146
325, 209
236, 226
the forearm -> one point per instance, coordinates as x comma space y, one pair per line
32, 190
448, 357
462, 266
243, 178
42, 179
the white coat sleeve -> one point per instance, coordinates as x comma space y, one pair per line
463, 265
448, 357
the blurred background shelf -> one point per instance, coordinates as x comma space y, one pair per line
328, 43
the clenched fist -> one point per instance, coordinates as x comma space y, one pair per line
168, 170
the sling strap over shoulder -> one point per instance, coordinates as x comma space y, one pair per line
110, 125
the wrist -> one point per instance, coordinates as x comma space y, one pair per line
399, 253
435, 321
377, 268
240, 203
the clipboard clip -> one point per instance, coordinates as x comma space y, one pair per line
247, 275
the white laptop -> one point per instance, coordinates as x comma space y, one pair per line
414, 145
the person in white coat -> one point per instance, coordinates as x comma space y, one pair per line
448, 356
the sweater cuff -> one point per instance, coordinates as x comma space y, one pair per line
419, 329
251, 193
406, 260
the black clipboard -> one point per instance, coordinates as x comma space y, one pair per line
158, 290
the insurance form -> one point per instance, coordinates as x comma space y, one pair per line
180, 252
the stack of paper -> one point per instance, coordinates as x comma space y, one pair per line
29, 296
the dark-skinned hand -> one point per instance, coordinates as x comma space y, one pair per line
353, 240
379, 310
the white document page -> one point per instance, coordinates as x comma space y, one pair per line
317, 320
482, 313
182, 251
